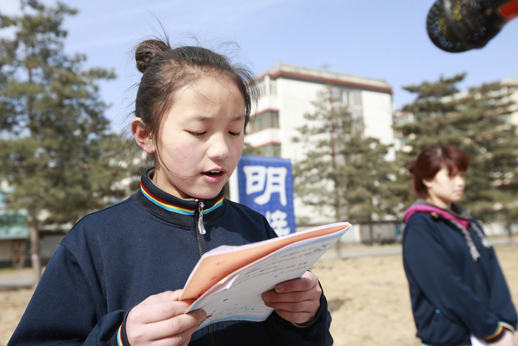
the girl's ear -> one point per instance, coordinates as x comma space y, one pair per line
142, 136
427, 183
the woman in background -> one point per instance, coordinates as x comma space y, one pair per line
458, 291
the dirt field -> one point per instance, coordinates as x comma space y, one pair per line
368, 299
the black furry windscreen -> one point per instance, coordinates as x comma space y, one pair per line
460, 25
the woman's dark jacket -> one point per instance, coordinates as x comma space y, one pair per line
453, 292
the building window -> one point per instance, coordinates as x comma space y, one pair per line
273, 87
267, 86
346, 97
265, 120
261, 88
271, 150
338, 96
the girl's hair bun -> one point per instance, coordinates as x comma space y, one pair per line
147, 51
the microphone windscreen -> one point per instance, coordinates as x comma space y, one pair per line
459, 25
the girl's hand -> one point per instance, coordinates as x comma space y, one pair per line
296, 300
507, 340
160, 320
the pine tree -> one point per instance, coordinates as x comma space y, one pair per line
367, 174
342, 172
492, 145
433, 107
55, 147
475, 122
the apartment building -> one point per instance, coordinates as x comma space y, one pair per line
287, 92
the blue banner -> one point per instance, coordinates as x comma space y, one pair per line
266, 185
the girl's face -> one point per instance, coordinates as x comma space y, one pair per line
444, 188
201, 139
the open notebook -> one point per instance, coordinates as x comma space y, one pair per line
228, 281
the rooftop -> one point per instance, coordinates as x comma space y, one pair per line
281, 69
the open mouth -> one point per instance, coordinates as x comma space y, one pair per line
213, 173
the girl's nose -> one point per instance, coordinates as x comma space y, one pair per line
218, 149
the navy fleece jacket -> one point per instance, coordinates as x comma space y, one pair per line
453, 295
115, 258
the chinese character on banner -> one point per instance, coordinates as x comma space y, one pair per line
265, 184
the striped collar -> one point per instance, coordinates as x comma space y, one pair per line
176, 208
173, 209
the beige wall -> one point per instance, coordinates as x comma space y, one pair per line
5, 250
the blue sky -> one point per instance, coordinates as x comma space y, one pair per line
378, 39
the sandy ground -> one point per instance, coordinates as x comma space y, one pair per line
368, 299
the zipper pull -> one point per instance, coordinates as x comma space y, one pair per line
201, 227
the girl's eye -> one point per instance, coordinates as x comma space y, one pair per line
234, 133
197, 134
457, 173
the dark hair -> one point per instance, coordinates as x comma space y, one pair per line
432, 160
167, 70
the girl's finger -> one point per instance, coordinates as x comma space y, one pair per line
304, 283
177, 328
273, 297
152, 313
